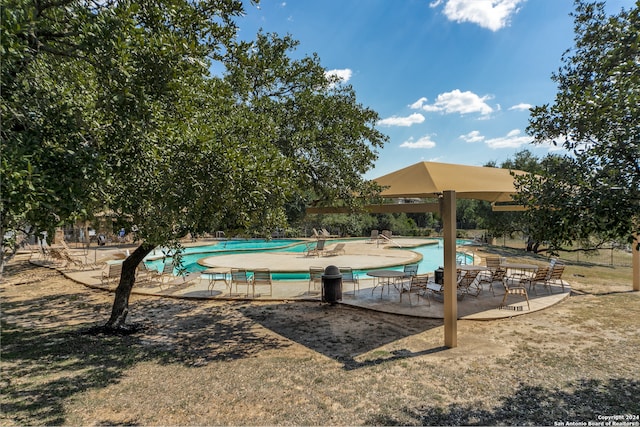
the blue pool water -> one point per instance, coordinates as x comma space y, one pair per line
432, 255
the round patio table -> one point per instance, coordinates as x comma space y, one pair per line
385, 277
518, 271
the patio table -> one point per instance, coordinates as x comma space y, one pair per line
385, 277
518, 271
216, 275
469, 267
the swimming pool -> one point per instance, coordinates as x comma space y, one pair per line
432, 255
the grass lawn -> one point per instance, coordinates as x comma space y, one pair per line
282, 363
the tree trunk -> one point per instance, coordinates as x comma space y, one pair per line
120, 307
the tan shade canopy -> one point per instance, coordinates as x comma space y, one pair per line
428, 179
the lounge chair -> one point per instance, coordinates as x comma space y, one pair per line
315, 249
468, 280
375, 235
386, 236
112, 274
84, 254
261, 277
325, 233
337, 250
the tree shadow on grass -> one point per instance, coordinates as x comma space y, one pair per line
341, 332
587, 400
46, 361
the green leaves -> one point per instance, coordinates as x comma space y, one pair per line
595, 192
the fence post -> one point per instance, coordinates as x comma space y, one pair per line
635, 250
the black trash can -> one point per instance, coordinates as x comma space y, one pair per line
331, 285
439, 276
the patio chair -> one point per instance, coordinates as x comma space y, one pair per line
409, 270
144, 275
55, 255
69, 260
239, 276
375, 235
262, 277
348, 276
163, 276
315, 277
468, 280
112, 274
336, 250
418, 286
315, 249
514, 290
497, 275
540, 277
555, 275
434, 288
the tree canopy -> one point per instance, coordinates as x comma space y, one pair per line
111, 106
592, 194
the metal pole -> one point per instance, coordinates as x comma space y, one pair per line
450, 284
636, 263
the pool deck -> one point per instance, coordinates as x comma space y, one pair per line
358, 255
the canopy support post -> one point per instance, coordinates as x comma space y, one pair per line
636, 263
450, 283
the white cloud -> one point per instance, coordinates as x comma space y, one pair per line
459, 102
413, 119
490, 14
418, 104
513, 139
473, 136
424, 142
344, 74
522, 107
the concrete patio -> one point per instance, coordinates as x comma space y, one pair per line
358, 255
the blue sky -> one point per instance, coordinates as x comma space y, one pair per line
452, 80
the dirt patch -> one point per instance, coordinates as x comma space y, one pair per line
266, 363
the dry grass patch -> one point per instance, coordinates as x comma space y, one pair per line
235, 363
